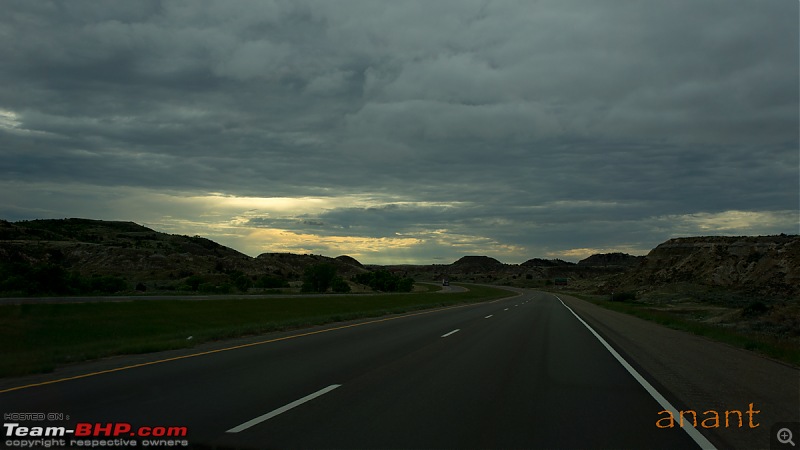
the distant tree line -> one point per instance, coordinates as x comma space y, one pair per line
231, 281
24, 279
385, 281
323, 277
50, 279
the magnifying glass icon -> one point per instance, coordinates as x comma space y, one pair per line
785, 436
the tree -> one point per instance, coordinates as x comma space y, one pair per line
405, 285
340, 286
243, 283
318, 278
194, 282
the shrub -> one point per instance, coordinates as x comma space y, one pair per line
755, 308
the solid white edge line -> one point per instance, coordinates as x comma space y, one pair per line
282, 409
689, 429
452, 332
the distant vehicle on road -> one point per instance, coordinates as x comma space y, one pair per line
445, 282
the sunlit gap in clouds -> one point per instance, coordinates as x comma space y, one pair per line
305, 204
222, 202
378, 229
367, 249
253, 225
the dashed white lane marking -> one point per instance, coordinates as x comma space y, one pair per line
490, 315
282, 409
452, 332
689, 429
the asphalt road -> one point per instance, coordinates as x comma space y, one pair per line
522, 372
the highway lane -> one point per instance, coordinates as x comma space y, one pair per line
521, 372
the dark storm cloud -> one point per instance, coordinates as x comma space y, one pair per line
516, 123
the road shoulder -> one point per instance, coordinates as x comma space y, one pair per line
702, 375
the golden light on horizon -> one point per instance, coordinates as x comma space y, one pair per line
583, 253
732, 220
274, 240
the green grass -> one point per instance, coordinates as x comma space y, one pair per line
39, 337
781, 349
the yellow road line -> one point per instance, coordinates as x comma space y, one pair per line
119, 369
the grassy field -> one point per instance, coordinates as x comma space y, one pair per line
783, 349
39, 337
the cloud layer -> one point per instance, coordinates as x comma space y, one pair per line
405, 131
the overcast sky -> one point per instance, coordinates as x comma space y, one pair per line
405, 131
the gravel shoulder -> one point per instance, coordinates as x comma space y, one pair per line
695, 373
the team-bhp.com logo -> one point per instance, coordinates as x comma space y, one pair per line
93, 435
95, 430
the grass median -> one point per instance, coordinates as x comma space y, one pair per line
37, 338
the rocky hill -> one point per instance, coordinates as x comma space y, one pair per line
539, 262
137, 257
762, 266
350, 260
476, 264
533, 273
97, 253
612, 259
